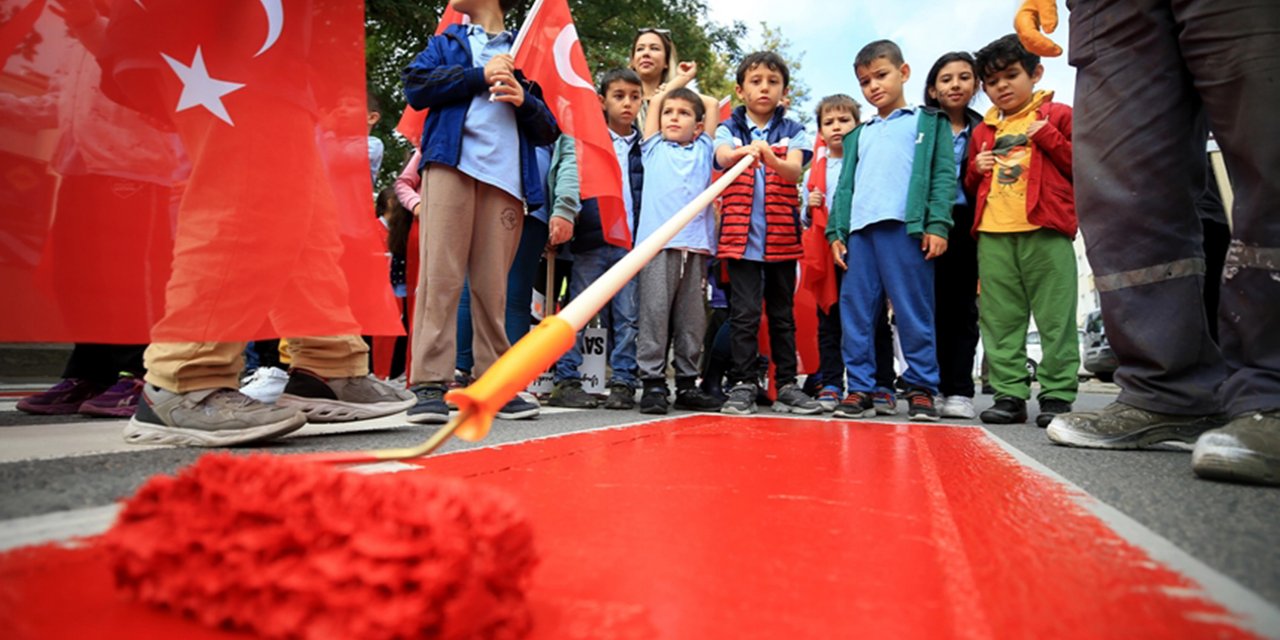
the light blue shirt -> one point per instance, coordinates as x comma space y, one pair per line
376, 149
675, 174
622, 148
886, 153
756, 233
490, 141
960, 145
834, 166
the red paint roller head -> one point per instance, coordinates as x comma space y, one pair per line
284, 549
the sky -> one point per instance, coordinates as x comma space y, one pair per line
829, 34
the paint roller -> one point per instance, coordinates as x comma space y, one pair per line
286, 547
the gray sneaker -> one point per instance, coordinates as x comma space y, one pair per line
792, 400
343, 399
1121, 426
1246, 450
207, 418
742, 400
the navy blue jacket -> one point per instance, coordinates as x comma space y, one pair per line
588, 233
443, 79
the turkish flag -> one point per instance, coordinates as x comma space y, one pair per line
413, 120
549, 53
189, 170
817, 267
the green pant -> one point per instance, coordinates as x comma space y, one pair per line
1029, 274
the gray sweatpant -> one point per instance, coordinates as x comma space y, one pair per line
1152, 75
672, 308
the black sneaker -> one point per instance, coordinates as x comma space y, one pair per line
1122, 426
920, 406
792, 400
621, 397
855, 406
519, 408
695, 399
1006, 410
430, 408
569, 393
654, 400
1049, 408
742, 400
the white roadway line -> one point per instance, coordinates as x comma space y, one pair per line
1253, 612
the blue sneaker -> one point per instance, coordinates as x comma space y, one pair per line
430, 407
519, 408
829, 398
885, 402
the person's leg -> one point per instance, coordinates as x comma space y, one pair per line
568, 392
1217, 240
861, 298
464, 358
101, 364
499, 219
689, 319
330, 356
746, 296
829, 339
657, 283
624, 315
885, 374
1004, 315
1048, 263
779, 295
447, 221
908, 283
182, 367
533, 242
956, 298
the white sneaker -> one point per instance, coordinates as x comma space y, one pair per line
958, 407
265, 385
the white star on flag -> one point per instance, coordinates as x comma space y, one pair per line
198, 89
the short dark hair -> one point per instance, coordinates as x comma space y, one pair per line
1003, 53
506, 6
690, 96
373, 103
946, 59
770, 60
837, 102
618, 75
879, 49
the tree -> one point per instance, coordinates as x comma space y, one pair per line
771, 39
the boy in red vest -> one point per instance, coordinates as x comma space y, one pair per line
760, 232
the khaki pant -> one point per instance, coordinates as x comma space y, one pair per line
470, 231
191, 366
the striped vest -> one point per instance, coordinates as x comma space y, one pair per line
781, 198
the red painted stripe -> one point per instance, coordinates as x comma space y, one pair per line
714, 527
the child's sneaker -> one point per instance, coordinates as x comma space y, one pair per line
621, 397
62, 399
265, 385
519, 408
920, 406
886, 404
429, 406
958, 407
570, 394
1006, 410
120, 401
654, 400
792, 400
1049, 409
742, 400
343, 399
855, 406
695, 399
829, 397
207, 418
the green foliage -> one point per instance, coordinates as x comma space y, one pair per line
396, 30
771, 39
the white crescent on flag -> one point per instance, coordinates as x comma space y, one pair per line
275, 24
564, 64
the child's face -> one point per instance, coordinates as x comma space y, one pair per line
955, 85
679, 121
834, 125
650, 56
1011, 88
621, 101
761, 90
882, 81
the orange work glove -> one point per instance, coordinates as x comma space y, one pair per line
1033, 16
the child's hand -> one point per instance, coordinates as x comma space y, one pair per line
838, 252
742, 152
933, 246
687, 71
986, 160
765, 153
499, 64
816, 199
507, 90
561, 232
1036, 126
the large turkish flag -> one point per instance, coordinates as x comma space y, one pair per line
188, 170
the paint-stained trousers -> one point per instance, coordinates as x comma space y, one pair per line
1151, 76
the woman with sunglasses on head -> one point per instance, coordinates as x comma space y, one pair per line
653, 58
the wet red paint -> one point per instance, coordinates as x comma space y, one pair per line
710, 527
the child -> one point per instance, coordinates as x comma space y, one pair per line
760, 231
837, 116
890, 216
481, 171
950, 87
592, 256
1025, 220
677, 168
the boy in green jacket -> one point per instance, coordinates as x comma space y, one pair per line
890, 217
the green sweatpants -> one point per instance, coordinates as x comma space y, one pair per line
1029, 274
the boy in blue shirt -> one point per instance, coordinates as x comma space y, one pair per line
480, 172
760, 232
677, 168
890, 217
620, 94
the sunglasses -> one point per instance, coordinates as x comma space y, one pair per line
662, 32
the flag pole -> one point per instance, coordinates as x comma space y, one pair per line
524, 28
